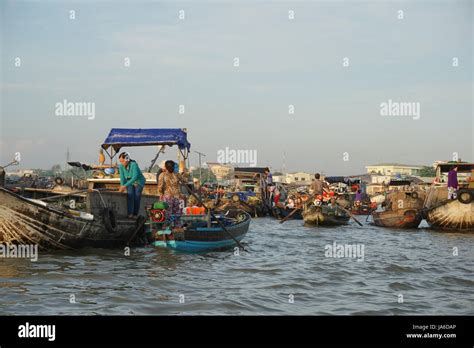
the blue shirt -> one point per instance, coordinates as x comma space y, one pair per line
131, 175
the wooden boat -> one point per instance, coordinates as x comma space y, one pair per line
283, 212
402, 218
362, 209
403, 210
27, 221
100, 221
325, 215
252, 206
199, 233
456, 215
252, 179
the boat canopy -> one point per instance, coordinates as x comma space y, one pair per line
399, 182
255, 170
463, 167
342, 180
120, 137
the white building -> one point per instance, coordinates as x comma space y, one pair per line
21, 172
392, 169
299, 178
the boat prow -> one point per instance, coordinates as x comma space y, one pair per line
25, 221
452, 215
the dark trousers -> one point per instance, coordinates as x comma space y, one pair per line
134, 195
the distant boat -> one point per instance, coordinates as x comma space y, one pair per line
324, 215
198, 235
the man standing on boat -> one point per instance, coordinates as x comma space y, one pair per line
268, 176
318, 186
453, 183
132, 181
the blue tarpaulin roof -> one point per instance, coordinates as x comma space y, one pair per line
120, 137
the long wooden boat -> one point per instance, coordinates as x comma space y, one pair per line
27, 221
325, 215
199, 236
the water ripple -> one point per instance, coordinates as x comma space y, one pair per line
285, 272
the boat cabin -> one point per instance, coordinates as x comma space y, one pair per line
438, 191
102, 187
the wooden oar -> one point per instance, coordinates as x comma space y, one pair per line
296, 209
369, 215
212, 214
65, 194
289, 215
9, 164
140, 225
350, 214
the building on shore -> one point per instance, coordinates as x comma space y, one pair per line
394, 169
300, 178
21, 172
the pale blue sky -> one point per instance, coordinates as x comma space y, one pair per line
282, 62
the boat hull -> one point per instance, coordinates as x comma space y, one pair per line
324, 216
397, 219
452, 216
207, 238
23, 221
253, 210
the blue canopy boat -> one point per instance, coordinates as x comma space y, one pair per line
198, 233
101, 221
120, 139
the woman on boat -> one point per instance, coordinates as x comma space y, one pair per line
132, 181
453, 183
358, 198
168, 189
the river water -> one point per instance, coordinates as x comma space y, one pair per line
286, 271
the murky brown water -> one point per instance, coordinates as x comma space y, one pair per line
286, 272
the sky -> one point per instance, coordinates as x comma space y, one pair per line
336, 128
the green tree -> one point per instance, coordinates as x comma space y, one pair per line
56, 169
427, 171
